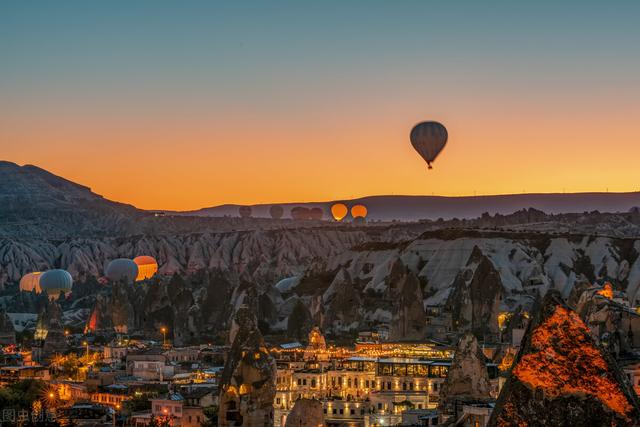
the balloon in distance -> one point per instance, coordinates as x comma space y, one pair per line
428, 139
276, 211
147, 267
121, 269
339, 211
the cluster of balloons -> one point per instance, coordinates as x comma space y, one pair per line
51, 282
300, 213
339, 211
428, 139
130, 270
245, 211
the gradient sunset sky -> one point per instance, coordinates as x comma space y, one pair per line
181, 105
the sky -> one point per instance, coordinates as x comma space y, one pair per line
182, 105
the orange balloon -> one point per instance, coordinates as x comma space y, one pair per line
147, 267
339, 211
359, 211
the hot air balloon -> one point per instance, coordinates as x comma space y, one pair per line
359, 211
52, 282
30, 282
339, 211
245, 211
428, 139
147, 267
300, 213
121, 269
316, 213
276, 211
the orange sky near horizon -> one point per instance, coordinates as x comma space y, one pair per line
183, 106
192, 162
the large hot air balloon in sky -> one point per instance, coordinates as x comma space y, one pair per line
30, 282
276, 211
428, 139
359, 211
339, 211
52, 282
147, 267
245, 211
121, 269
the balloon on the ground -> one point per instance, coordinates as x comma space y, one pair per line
147, 267
121, 269
245, 211
339, 211
428, 139
52, 282
30, 282
359, 211
316, 213
300, 213
276, 211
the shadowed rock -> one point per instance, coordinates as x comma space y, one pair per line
306, 413
467, 381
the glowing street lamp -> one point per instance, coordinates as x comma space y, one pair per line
86, 344
164, 336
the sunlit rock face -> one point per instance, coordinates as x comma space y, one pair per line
613, 324
247, 388
306, 413
467, 381
562, 377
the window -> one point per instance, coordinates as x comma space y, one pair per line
299, 381
404, 386
352, 412
366, 383
334, 411
388, 385
313, 383
304, 381
277, 400
341, 411
189, 418
379, 405
324, 410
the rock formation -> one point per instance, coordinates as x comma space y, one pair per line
409, 321
247, 387
7, 332
55, 341
467, 380
561, 376
306, 413
476, 296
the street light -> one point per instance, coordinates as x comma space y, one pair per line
86, 343
164, 336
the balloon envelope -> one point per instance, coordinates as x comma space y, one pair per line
359, 211
30, 282
300, 213
245, 211
52, 282
428, 139
147, 267
316, 213
339, 211
276, 211
121, 269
